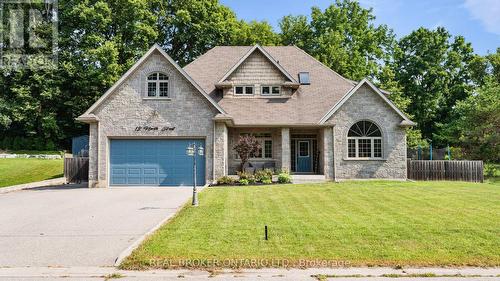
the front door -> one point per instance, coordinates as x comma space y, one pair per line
304, 157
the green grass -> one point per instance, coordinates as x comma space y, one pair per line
358, 223
32, 152
18, 170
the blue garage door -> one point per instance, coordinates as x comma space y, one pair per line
154, 163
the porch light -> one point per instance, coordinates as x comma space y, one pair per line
200, 150
190, 150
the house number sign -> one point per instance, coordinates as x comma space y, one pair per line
153, 128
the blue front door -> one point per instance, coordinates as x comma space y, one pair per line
154, 163
304, 157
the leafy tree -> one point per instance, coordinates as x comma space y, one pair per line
343, 37
255, 32
478, 123
434, 73
188, 28
246, 146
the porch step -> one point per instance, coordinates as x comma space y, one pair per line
308, 178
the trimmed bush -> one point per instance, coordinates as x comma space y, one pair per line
284, 178
243, 181
267, 181
263, 175
225, 180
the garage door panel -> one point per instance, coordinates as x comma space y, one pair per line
154, 162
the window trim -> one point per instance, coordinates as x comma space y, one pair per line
244, 90
157, 84
372, 144
270, 90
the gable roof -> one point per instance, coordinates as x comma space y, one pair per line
266, 54
308, 104
88, 114
406, 120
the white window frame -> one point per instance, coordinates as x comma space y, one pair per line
158, 82
270, 90
372, 144
244, 90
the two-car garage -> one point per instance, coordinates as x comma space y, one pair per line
154, 162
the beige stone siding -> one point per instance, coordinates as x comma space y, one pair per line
257, 71
187, 110
365, 104
234, 133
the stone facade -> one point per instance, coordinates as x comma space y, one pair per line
192, 115
257, 71
128, 107
365, 104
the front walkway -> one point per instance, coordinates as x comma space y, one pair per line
68, 226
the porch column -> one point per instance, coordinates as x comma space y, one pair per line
93, 155
285, 149
220, 150
328, 153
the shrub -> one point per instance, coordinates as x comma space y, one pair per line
267, 181
243, 181
225, 180
245, 147
246, 176
284, 177
262, 175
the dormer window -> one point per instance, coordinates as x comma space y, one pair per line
243, 90
270, 90
157, 85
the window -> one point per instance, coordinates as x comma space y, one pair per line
266, 146
243, 90
157, 85
364, 141
303, 148
304, 78
270, 90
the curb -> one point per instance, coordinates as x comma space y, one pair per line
57, 181
125, 253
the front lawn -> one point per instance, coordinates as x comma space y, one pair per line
355, 223
22, 170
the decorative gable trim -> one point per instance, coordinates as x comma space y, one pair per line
267, 55
406, 121
155, 47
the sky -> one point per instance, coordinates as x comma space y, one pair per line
477, 20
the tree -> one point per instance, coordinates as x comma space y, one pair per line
343, 37
246, 146
478, 123
255, 33
188, 28
434, 73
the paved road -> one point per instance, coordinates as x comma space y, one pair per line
64, 226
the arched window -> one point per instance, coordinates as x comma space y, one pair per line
364, 140
158, 85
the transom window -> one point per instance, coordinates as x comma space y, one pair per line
270, 90
158, 85
266, 146
243, 90
364, 141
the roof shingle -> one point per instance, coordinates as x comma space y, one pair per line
307, 106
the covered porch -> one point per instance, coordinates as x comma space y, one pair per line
306, 152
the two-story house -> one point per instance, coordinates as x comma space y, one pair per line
308, 119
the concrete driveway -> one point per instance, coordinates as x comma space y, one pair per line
65, 226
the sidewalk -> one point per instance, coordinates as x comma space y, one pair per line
333, 274
45, 183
